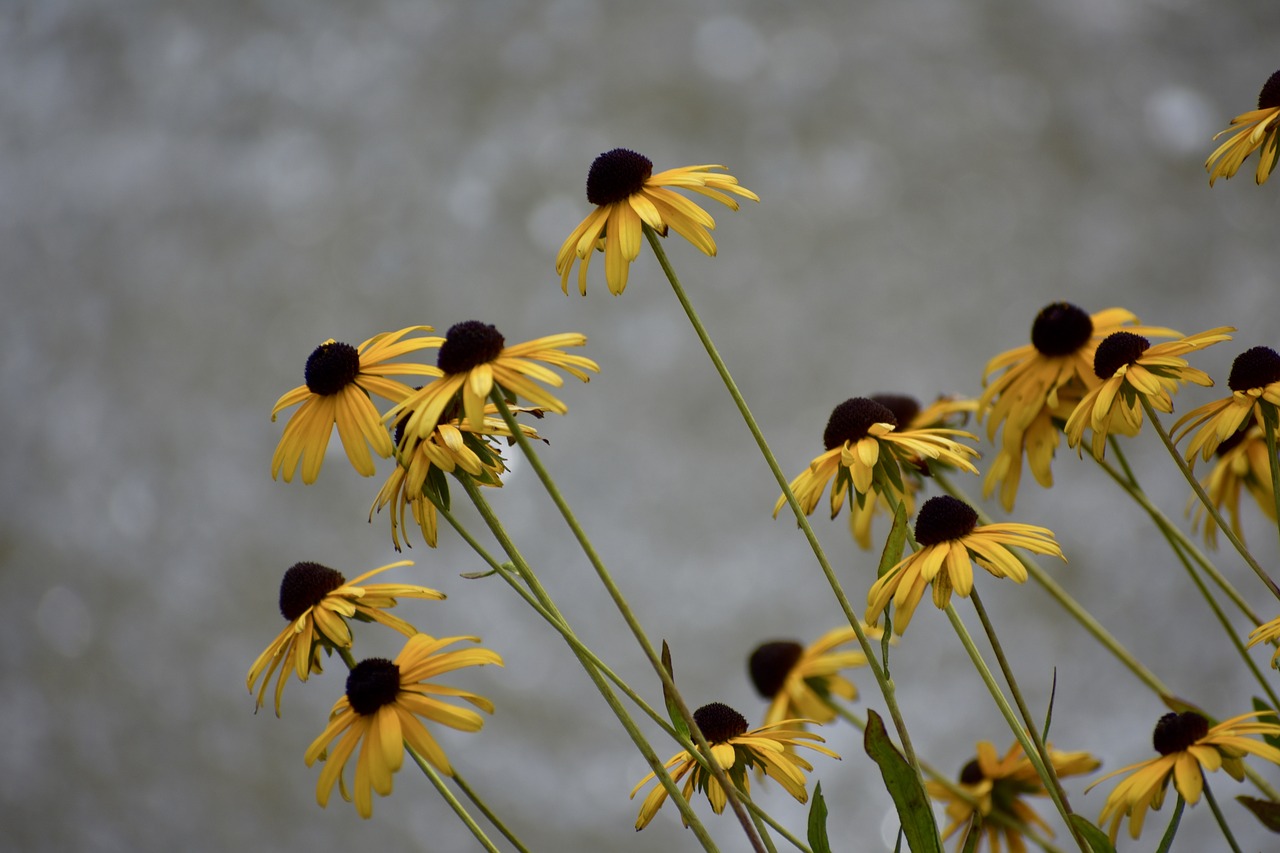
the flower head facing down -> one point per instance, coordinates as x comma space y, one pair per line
1133, 370
627, 196
1187, 747
474, 358
950, 542
994, 788
1242, 463
380, 713
316, 601
1255, 386
1040, 385
1267, 632
1259, 130
864, 447
800, 682
339, 381
771, 748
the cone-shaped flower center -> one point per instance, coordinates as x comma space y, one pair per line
371, 684
770, 664
1269, 97
851, 419
1117, 350
305, 585
904, 408
944, 519
971, 773
616, 175
469, 345
719, 722
1256, 367
1176, 732
331, 367
1060, 329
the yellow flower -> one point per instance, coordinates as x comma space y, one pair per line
380, 712
943, 412
770, 747
339, 380
315, 600
1242, 461
1041, 384
1254, 383
1187, 748
1267, 632
801, 681
627, 195
418, 481
863, 441
1132, 370
474, 359
950, 542
994, 788
1260, 129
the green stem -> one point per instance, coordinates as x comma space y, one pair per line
347, 657
882, 680
1217, 814
1269, 415
527, 574
458, 808
1028, 748
1205, 499
487, 812
1069, 604
624, 608
1167, 841
763, 831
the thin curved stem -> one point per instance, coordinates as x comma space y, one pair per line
1218, 816
453, 802
1269, 416
487, 812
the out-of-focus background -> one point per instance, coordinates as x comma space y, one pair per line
193, 196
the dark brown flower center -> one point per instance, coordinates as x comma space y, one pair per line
469, 345
770, 664
1231, 442
616, 175
1117, 350
719, 722
971, 773
1256, 367
944, 519
1269, 97
305, 585
331, 367
1060, 329
371, 684
1176, 732
904, 408
851, 419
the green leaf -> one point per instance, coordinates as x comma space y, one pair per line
818, 822
1048, 715
1096, 838
1259, 705
1266, 811
895, 544
914, 811
974, 834
673, 710
436, 488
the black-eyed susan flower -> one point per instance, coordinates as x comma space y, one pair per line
942, 413
1188, 747
627, 195
950, 542
1242, 463
453, 445
316, 601
995, 788
1131, 369
339, 380
1259, 130
800, 681
474, 359
1040, 385
380, 714
1267, 632
1254, 382
771, 748
865, 446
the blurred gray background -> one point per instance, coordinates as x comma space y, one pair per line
194, 195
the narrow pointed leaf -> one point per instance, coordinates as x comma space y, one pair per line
673, 710
818, 822
1094, 837
914, 810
